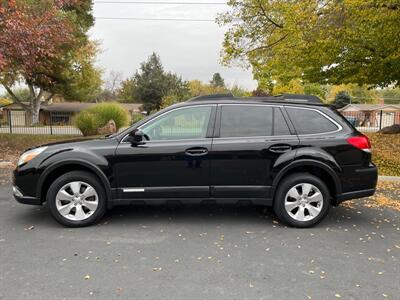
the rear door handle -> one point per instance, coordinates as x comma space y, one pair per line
197, 151
280, 148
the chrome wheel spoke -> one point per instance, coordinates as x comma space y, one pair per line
317, 197
293, 193
64, 196
291, 205
300, 214
91, 205
306, 188
89, 192
314, 211
65, 209
75, 187
79, 213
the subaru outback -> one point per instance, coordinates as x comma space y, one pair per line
291, 152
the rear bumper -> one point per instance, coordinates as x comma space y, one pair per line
24, 199
359, 183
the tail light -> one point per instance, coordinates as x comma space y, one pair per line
361, 142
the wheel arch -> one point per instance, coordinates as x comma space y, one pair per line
56, 170
317, 168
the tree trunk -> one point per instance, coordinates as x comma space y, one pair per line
35, 104
35, 109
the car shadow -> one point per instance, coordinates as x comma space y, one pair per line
195, 214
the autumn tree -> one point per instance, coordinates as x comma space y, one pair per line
44, 45
324, 41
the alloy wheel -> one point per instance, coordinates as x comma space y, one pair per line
77, 200
304, 202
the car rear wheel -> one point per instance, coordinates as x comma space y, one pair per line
76, 199
302, 200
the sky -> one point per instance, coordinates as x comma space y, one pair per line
190, 49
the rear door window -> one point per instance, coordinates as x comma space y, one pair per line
252, 120
309, 121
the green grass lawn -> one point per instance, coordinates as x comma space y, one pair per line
385, 148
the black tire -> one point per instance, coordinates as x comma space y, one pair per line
81, 176
291, 181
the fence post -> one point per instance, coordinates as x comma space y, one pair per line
380, 121
51, 123
9, 120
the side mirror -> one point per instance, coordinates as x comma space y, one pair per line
136, 137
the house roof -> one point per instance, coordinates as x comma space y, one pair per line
370, 107
73, 106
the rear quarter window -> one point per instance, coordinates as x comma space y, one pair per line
309, 121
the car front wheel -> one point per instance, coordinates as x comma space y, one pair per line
76, 199
302, 200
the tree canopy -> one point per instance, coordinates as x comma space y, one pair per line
152, 83
217, 81
44, 45
324, 41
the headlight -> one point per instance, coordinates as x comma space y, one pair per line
29, 155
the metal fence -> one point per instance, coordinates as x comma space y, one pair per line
20, 122
372, 121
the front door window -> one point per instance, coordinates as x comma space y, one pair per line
179, 124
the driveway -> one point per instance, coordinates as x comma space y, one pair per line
199, 252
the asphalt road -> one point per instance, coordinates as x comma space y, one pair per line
198, 252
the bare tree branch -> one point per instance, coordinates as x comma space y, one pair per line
268, 46
264, 13
15, 98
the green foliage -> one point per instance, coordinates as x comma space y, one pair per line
198, 88
89, 120
341, 99
315, 89
238, 91
151, 83
136, 118
86, 123
294, 86
217, 81
390, 95
358, 94
127, 91
329, 42
21, 93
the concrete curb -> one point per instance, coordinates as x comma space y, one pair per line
389, 178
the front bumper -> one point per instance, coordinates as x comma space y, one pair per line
24, 199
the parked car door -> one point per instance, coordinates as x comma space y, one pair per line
249, 140
174, 161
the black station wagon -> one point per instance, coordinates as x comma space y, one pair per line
291, 152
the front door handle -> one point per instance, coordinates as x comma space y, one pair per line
197, 151
281, 148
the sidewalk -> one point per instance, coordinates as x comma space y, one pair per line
389, 178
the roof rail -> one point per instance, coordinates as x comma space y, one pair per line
300, 98
212, 96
